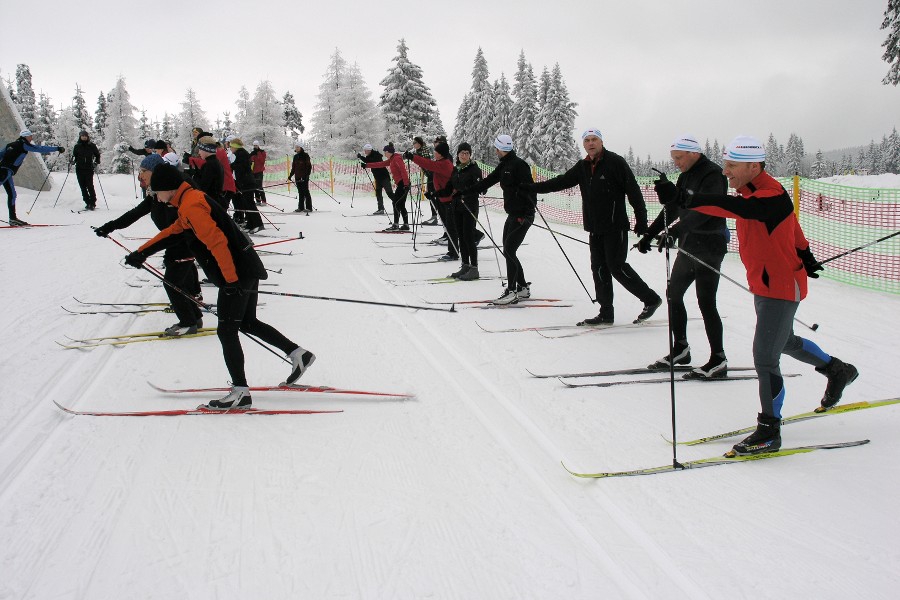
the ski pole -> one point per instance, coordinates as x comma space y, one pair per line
200, 303
133, 177
857, 249
489, 232
323, 190
552, 233
102, 192
372, 302
813, 327
41, 189
279, 241
353, 192
563, 235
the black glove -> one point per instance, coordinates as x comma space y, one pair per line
645, 244
360, 157
810, 263
135, 259
104, 230
430, 195
363, 165
640, 227
665, 190
666, 241
60, 149
408, 155
232, 289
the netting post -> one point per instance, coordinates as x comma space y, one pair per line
797, 195
331, 172
287, 159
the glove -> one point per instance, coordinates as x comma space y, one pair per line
666, 241
104, 230
363, 165
60, 149
408, 155
640, 227
430, 195
665, 190
135, 259
645, 244
360, 157
232, 288
810, 263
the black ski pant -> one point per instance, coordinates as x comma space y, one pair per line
608, 254
468, 229
237, 312
86, 183
259, 193
243, 200
182, 273
10, 186
304, 197
514, 231
380, 185
398, 199
686, 271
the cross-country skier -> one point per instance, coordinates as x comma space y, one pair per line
380, 175
10, 160
85, 157
401, 182
301, 170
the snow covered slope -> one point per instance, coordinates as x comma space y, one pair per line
457, 493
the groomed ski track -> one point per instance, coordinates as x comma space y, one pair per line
457, 493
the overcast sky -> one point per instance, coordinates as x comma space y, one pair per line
642, 71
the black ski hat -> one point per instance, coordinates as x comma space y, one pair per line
165, 178
464, 147
443, 149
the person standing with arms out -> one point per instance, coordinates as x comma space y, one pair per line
420, 149
605, 180
178, 259
401, 180
466, 175
380, 175
514, 176
86, 156
11, 158
230, 262
258, 160
778, 260
702, 236
301, 170
440, 169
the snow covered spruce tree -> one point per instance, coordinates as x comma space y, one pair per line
191, 115
774, 157
144, 129
345, 115
66, 132
475, 118
503, 105
524, 110
44, 130
408, 107
25, 100
264, 120
120, 131
100, 118
793, 155
555, 125
819, 166
242, 103
892, 44
291, 117
80, 111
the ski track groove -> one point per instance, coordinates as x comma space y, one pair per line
567, 515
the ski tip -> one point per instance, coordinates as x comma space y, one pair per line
63, 408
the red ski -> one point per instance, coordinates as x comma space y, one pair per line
310, 389
200, 410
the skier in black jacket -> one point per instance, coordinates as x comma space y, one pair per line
703, 236
514, 175
212, 174
243, 178
466, 175
178, 259
605, 179
85, 156
380, 175
11, 158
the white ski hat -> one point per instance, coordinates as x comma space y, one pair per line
256, 142
230, 138
25, 133
594, 131
504, 143
367, 147
686, 143
172, 159
298, 144
745, 148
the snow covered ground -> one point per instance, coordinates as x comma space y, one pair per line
457, 493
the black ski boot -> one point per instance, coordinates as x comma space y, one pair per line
716, 368
648, 310
681, 355
840, 375
766, 438
606, 316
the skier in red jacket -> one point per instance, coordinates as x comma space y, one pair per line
778, 260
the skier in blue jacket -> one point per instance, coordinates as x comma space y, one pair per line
11, 158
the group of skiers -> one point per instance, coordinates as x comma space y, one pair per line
773, 248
